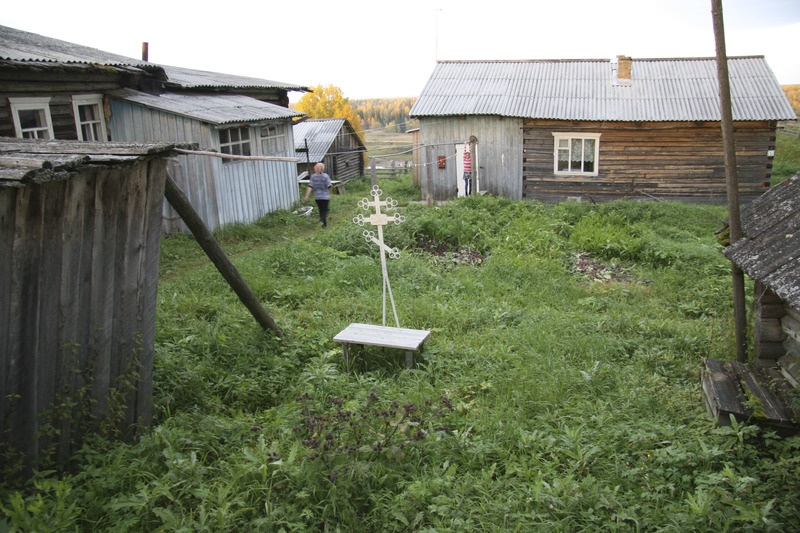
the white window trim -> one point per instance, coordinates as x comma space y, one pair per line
281, 135
557, 136
254, 146
89, 99
27, 104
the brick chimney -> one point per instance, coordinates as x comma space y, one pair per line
624, 64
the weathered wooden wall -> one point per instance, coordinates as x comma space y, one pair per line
221, 193
670, 160
78, 275
497, 160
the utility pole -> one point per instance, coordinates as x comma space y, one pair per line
732, 179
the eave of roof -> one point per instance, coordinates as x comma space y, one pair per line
214, 109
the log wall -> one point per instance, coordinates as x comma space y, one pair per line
669, 160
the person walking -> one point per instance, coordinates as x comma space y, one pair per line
320, 183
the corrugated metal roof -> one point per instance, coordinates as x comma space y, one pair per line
319, 133
194, 79
214, 109
18, 45
660, 90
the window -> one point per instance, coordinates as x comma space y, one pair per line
89, 119
235, 141
273, 140
32, 117
576, 153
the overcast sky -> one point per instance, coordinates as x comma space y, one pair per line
379, 49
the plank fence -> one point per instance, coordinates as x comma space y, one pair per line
80, 237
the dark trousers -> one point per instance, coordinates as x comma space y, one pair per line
322, 205
467, 183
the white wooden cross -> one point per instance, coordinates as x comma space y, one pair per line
379, 220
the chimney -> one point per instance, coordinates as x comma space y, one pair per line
145, 51
624, 68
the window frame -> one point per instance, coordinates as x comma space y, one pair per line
37, 103
279, 139
90, 99
570, 136
238, 143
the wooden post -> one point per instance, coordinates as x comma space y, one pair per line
392, 169
373, 171
739, 309
428, 165
214, 251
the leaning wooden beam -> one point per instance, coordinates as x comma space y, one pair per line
214, 251
241, 157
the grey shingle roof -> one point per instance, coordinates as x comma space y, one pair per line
214, 109
660, 90
769, 250
18, 45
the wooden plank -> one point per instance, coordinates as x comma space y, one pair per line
790, 368
722, 393
388, 337
766, 404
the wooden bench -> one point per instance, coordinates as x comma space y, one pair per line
733, 388
409, 340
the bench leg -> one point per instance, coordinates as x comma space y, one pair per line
346, 351
409, 358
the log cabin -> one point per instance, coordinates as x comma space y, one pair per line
53, 89
553, 130
765, 390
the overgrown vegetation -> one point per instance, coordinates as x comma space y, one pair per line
559, 389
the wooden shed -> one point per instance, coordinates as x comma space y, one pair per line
53, 89
80, 235
552, 130
332, 141
769, 253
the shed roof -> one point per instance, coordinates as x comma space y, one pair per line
769, 250
320, 134
25, 161
22, 46
214, 109
659, 90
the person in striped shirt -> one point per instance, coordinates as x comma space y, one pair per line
467, 172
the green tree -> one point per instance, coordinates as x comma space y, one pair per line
329, 102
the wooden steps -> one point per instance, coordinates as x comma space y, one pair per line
763, 396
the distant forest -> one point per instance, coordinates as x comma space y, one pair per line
388, 114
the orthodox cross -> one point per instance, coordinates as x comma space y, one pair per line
379, 220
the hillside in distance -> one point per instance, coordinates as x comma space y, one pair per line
388, 114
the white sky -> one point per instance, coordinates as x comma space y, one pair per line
380, 49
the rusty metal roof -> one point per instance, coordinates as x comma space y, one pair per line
213, 109
659, 90
769, 250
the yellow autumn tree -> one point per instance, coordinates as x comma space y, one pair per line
329, 102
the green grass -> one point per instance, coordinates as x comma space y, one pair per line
559, 390
787, 156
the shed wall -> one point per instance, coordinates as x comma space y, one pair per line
498, 158
221, 192
79, 271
